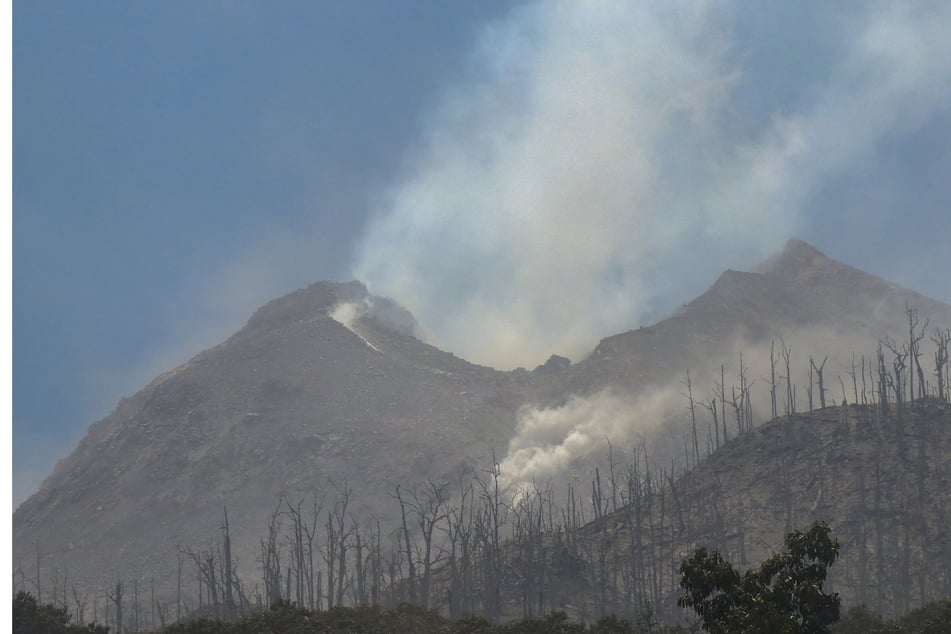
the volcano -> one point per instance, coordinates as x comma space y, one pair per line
331, 390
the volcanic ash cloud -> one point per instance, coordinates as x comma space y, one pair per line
597, 163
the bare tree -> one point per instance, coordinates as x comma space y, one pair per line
720, 390
430, 510
458, 530
178, 590
299, 557
271, 557
361, 561
116, 598
915, 336
39, 590
228, 568
898, 381
884, 379
712, 408
488, 530
772, 379
80, 604
809, 401
822, 390
941, 339
407, 541
691, 404
206, 569
786, 353
135, 605
376, 590
338, 532
597, 499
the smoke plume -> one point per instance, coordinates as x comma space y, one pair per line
599, 161
549, 440
558, 443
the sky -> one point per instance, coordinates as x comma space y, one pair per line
525, 177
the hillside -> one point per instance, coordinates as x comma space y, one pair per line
329, 389
798, 290
881, 481
631, 389
292, 405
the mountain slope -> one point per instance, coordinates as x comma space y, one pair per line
329, 387
294, 403
798, 289
881, 481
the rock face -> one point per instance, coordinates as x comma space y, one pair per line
329, 386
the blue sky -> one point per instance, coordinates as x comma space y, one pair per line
531, 172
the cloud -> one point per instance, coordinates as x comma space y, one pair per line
595, 164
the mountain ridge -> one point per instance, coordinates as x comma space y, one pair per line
298, 401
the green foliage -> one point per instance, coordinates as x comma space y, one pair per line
934, 618
784, 595
859, 619
285, 618
553, 623
472, 625
202, 626
611, 625
31, 617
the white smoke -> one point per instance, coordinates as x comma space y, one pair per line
553, 443
347, 313
548, 440
594, 164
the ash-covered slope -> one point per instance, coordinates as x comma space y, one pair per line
799, 294
291, 405
879, 477
631, 390
880, 480
328, 385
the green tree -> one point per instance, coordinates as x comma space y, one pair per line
32, 617
859, 619
784, 595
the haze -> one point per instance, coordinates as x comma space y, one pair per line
525, 178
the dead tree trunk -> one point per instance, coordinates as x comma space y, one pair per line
178, 590
693, 417
228, 568
310, 534
298, 558
712, 408
941, 340
407, 542
786, 353
39, 589
271, 558
430, 512
884, 380
80, 604
459, 532
818, 369
207, 575
914, 353
116, 598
